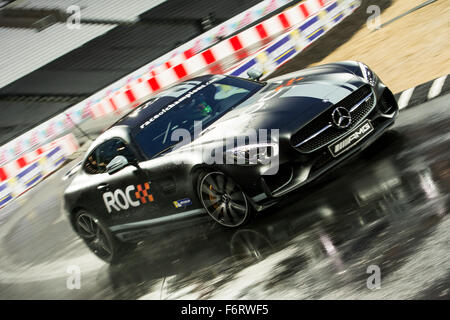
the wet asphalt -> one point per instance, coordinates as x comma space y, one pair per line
386, 210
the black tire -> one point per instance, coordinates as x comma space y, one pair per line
223, 199
99, 239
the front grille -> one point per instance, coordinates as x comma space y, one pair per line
305, 138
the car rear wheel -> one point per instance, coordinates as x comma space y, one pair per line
98, 238
223, 199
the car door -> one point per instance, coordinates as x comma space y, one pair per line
127, 195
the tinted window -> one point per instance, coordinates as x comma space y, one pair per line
90, 165
103, 154
205, 103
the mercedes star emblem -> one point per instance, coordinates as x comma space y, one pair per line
341, 117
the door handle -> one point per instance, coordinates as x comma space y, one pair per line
102, 186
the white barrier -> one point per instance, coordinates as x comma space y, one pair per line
31, 174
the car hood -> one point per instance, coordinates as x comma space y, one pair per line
286, 107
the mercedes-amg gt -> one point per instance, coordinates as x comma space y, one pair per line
222, 148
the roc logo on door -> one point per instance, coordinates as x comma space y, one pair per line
132, 196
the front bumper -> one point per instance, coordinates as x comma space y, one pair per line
303, 168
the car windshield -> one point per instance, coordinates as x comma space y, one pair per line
195, 101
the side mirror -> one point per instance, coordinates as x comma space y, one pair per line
116, 164
254, 74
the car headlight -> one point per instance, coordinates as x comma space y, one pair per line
368, 74
253, 154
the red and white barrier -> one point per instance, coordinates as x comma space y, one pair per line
200, 62
68, 145
189, 49
32, 174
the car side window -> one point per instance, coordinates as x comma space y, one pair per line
103, 154
90, 165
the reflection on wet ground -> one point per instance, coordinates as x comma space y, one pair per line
387, 207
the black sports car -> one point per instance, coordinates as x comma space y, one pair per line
222, 148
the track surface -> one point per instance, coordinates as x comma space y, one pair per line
387, 207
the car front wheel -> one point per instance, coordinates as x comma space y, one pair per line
223, 199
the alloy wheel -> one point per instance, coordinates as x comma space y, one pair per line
94, 236
223, 199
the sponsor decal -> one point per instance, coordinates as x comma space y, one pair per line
290, 82
182, 203
349, 141
173, 104
119, 199
142, 193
